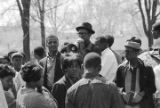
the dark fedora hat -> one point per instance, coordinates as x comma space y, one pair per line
86, 26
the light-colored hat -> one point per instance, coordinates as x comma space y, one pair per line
17, 54
133, 45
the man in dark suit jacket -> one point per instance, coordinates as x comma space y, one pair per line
71, 66
52, 62
135, 80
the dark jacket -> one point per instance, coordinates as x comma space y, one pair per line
146, 80
58, 69
93, 93
59, 91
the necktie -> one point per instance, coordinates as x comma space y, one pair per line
133, 83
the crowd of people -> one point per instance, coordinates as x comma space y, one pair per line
80, 75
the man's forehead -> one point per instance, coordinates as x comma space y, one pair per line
129, 48
52, 38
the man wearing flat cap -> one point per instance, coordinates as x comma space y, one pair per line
134, 79
84, 44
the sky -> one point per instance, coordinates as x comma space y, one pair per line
7, 15
11, 16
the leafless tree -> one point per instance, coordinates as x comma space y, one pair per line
24, 10
149, 14
39, 8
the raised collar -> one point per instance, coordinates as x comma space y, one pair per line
48, 55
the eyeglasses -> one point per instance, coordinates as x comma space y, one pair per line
82, 33
129, 51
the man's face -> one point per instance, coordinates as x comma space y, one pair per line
130, 53
100, 46
17, 62
52, 43
74, 72
84, 34
7, 82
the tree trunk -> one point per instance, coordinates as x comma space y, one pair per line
42, 32
26, 28
150, 40
41, 6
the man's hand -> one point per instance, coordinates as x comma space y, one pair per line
138, 97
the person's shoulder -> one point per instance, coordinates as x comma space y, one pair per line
123, 64
75, 86
157, 68
59, 83
38, 101
43, 59
9, 97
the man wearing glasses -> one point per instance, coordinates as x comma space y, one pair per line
84, 44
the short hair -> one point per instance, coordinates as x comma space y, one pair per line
6, 70
39, 51
52, 36
101, 39
70, 60
110, 40
92, 60
31, 72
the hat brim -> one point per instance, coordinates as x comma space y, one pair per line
90, 30
132, 47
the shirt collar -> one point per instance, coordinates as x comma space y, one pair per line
48, 55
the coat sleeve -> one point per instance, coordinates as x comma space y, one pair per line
119, 77
69, 101
59, 93
116, 100
151, 88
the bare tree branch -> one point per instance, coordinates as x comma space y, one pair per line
157, 14
20, 7
154, 9
56, 6
35, 19
12, 7
142, 15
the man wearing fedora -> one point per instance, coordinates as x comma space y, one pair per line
84, 44
134, 79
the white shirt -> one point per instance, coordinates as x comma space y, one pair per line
3, 103
18, 81
51, 62
128, 82
157, 80
109, 65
